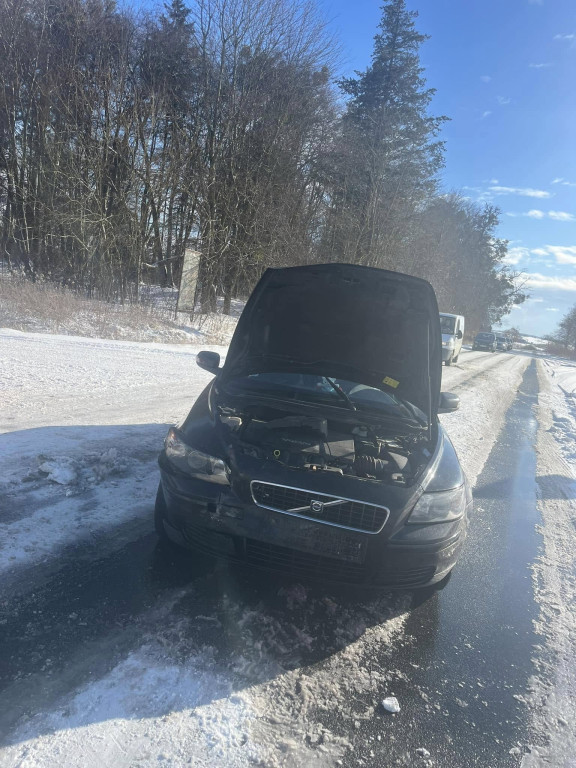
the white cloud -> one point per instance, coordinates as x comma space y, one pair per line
503, 100
552, 309
545, 282
564, 183
542, 65
485, 78
516, 255
564, 254
571, 36
522, 191
486, 114
535, 213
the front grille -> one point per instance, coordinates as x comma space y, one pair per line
332, 510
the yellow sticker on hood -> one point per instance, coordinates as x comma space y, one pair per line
390, 382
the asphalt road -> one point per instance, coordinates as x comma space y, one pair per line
464, 656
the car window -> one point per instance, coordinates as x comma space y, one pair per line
447, 324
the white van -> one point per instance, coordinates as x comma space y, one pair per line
452, 335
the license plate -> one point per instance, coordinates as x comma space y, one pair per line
328, 543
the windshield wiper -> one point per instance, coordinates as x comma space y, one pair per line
341, 394
409, 407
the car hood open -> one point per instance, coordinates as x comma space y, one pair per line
360, 324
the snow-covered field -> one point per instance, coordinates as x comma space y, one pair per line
81, 422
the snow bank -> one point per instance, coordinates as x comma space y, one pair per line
552, 693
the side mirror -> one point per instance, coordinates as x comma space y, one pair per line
448, 402
210, 361
459, 335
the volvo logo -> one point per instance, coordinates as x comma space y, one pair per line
316, 506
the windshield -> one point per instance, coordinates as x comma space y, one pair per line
487, 336
447, 324
311, 388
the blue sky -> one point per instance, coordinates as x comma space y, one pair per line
505, 73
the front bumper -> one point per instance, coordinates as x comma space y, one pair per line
447, 352
211, 518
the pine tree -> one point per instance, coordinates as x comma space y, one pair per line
388, 155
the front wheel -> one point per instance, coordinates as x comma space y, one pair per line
455, 359
449, 361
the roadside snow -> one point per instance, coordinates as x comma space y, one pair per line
81, 424
553, 690
487, 385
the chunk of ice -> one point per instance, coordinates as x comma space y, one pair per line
390, 704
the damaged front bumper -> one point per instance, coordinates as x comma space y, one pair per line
211, 518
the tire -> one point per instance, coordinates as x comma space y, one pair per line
455, 359
449, 361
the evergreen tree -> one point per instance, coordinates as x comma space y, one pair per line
387, 157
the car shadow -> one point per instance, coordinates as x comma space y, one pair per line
556, 486
550, 487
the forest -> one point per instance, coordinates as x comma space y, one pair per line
225, 126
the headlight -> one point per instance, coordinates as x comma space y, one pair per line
439, 507
449, 343
193, 462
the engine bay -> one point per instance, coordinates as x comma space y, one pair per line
314, 444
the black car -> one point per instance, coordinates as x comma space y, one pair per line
316, 450
486, 341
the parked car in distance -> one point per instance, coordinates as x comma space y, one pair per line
452, 327
316, 450
484, 340
503, 343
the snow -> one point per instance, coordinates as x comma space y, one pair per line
81, 424
486, 385
552, 693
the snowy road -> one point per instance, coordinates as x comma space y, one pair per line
117, 654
